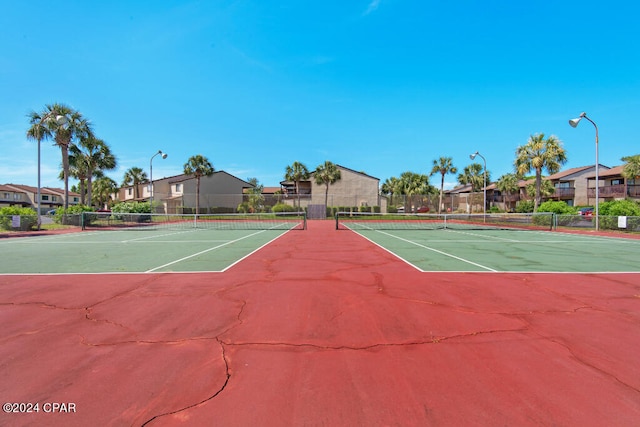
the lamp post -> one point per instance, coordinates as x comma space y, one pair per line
61, 120
574, 123
164, 156
472, 157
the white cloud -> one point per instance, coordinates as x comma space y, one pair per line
372, 7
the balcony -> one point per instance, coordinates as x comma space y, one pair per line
609, 191
564, 193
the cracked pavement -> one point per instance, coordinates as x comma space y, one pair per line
322, 328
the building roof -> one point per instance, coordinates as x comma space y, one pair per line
568, 172
43, 190
184, 177
614, 171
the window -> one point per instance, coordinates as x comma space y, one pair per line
565, 184
54, 198
129, 191
619, 181
16, 196
45, 197
178, 189
7, 196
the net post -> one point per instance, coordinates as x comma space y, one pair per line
82, 223
304, 220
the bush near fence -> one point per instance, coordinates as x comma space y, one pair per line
28, 218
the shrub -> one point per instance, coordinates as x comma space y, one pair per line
243, 207
131, 207
524, 206
283, 207
71, 215
557, 207
28, 218
610, 211
619, 208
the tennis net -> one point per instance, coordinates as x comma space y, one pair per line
147, 221
506, 221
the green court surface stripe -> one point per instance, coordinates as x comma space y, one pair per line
203, 252
440, 252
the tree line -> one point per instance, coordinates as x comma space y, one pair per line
538, 155
86, 157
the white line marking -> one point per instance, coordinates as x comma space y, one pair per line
440, 252
203, 252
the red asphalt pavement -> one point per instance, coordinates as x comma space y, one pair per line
321, 328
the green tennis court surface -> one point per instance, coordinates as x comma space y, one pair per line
132, 251
494, 250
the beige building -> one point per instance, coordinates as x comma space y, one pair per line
27, 196
219, 192
353, 189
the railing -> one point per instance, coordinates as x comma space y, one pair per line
564, 193
616, 191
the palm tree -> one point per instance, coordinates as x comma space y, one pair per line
444, 166
631, 168
507, 184
546, 189
71, 126
103, 189
198, 166
255, 198
327, 174
411, 184
92, 156
134, 176
473, 175
540, 154
77, 170
297, 172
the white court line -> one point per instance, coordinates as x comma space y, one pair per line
156, 235
440, 252
467, 233
203, 252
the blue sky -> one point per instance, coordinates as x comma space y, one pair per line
379, 86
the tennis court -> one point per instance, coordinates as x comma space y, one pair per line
493, 244
317, 327
164, 243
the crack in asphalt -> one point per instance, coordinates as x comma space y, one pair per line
213, 396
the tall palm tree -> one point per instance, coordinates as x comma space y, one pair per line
63, 132
198, 166
92, 156
327, 174
77, 170
444, 166
103, 189
134, 176
507, 184
297, 172
540, 154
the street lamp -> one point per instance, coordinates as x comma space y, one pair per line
472, 157
574, 123
61, 120
164, 156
